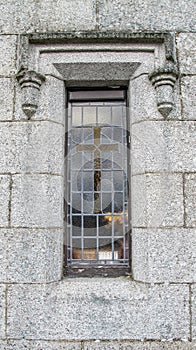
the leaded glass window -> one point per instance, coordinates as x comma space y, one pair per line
97, 196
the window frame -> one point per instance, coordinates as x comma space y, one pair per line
84, 270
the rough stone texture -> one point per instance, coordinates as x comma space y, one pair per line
190, 203
46, 15
37, 201
2, 311
193, 299
95, 345
143, 345
4, 199
146, 15
157, 200
160, 255
7, 54
6, 98
32, 147
98, 308
188, 88
30, 255
163, 146
143, 101
51, 104
186, 50
38, 345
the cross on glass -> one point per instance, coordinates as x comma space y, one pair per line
97, 148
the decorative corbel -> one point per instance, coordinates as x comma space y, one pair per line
163, 79
30, 82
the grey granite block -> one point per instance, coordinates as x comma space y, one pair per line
98, 308
38, 345
186, 52
6, 98
146, 15
4, 199
32, 147
7, 55
46, 15
157, 200
190, 202
51, 105
37, 201
139, 345
2, 311
30, 255
160, 255
188, 88
193, 309
163, 146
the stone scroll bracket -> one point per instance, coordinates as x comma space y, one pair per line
163, 79
30, 82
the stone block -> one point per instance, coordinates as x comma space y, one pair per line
142, 100
45, 15
51, 105
4, 199
6, 99
86, 308
38, 345
32, 147
37, 201
190, 203
157, 200
193, 301
162, 255
139, 345
146, 15
186, 52
30, 255
7, 54
188, 88
163, 146
2, 310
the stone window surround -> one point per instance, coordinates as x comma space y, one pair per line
65, 60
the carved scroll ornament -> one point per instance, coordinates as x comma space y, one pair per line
30, 82
163, 79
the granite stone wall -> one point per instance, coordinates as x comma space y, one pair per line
155, 308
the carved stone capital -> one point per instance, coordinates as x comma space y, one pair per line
163, 79
30, 82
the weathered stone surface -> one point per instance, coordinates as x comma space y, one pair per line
46, 15
38, 345
92, 308
30, 255
95, 345
193, 299
163, 146
146, 15
37, 201
188, 88
4, 199
157, 200
7, 54
190, 203
2, 311
139, 345
142, 100
160, 255
51, 104
32, 147
6, 98
186, 50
